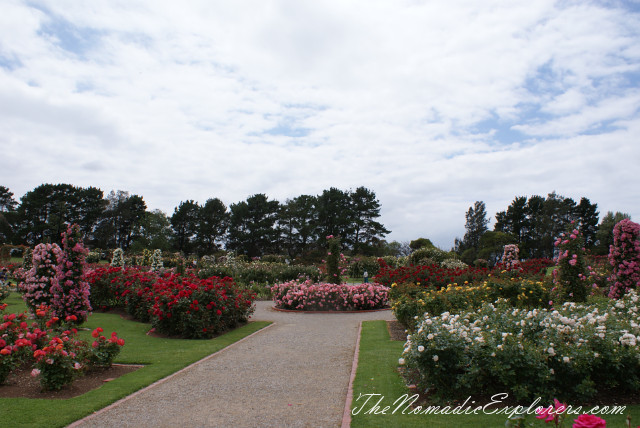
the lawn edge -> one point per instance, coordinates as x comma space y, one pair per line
346, 415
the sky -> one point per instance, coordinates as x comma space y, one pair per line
432, 105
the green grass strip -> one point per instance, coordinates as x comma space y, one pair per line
161, 358
377, 374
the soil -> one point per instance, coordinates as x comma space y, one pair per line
396, 331
21, 384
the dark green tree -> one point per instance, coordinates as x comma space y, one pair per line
333, 260
184, 222
121, 220
586, 215
395, 248
7, 203
514, 220
155, 232
492, 244
7, 215
212, 226
335, 216
367, 231
475, 226
252, 226
297, 222
421, 243
45, 212
531, 245
604, 234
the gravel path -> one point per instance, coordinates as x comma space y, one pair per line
294, 373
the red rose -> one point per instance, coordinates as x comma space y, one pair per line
589, 421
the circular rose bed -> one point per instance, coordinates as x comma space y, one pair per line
309, 296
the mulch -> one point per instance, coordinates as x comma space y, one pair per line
21, 384
396, 331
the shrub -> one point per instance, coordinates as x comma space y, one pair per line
453, 264
570, 277
103, 350
94, 256
156, 260
359, 265
438, 277
569, 353
70, 292
409, 303
245, 273
4, 290
146, 258
57, 355
334, 273
432, 253
199, 308
106, 287
510, 257
27, 259
42, 276
273, 258
309, 296
624, 256
118, 258
428, 275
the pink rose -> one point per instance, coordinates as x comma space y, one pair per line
589, 421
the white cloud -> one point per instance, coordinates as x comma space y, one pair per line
179, 101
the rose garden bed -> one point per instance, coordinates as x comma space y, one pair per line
309, 296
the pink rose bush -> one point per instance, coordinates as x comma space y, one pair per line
42, 276
570, 278
309, 296
624, 256
510, 258
57, 278
70, 292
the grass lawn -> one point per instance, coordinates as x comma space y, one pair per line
377, 374
161, 358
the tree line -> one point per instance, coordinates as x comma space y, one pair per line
253, 227
534, 223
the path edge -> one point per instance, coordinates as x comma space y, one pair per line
164, 379
346, 415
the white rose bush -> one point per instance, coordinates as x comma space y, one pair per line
572, 352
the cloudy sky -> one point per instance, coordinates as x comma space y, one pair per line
431, 104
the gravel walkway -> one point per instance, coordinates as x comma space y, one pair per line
294, 373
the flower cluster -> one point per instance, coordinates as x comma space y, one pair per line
118, 258
4, 290
510, 257
258, 272
309, 296
624, 256
57, 355
436, 276
104, 350
571, 352
183, 305
156, 260
42, 276
410, 302
70, 293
